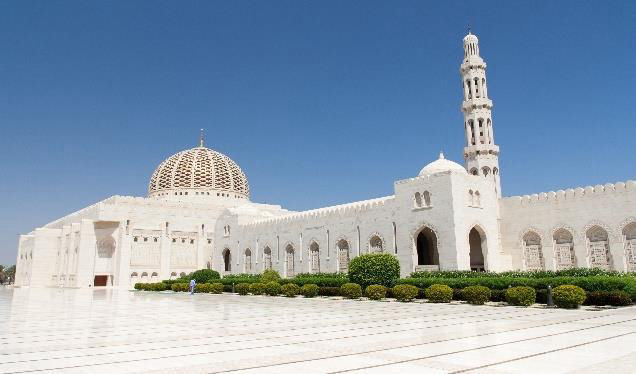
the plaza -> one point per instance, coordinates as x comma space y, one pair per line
114, 331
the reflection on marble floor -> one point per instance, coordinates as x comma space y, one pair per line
112, 331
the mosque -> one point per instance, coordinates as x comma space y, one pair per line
198, 214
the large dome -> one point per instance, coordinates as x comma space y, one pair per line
199, 171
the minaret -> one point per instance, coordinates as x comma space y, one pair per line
481, 155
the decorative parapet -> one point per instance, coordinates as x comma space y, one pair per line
336, 210
573, 193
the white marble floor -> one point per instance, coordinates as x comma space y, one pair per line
106, 331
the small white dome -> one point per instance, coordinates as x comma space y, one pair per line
442, 165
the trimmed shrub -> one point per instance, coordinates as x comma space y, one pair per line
439, 293
309, 290
204, 276
521, 296
242, 288
375, 292
568, 296
257, 288
375, 268
202, 288
180, 287
329, 291
476, 295
405, 292
613, 298
290, 290
216, 288
270, 275
498, 295
272, 288
351, 290
139, 286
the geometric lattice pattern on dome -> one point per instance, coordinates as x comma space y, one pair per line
199, 167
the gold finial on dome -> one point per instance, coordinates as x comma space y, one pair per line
201, 138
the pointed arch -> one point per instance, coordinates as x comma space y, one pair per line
247, 261
289, 260
314, 256
563, 243
227, 260
628, 231
597, 244
426, 246
343, 247
532, 244
375, 243
478, 247
267, 258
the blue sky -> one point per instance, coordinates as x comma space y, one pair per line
319, 102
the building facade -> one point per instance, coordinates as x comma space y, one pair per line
198, 215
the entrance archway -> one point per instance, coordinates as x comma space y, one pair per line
477, 242
227, 260
426, 243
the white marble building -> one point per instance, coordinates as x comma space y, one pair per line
198, 214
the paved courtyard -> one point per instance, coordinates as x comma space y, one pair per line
105, 331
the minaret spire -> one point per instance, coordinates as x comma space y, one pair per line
481, 154
201, 139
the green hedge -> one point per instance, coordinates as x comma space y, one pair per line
476, 295
576, 272
613, 298
589, 283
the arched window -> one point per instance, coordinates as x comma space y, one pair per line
495, 171
248, 261
474, 171
477, 198
376, 244
343, 255
476, 87
486, 171
470, 89
267, 258
427, 198
629, 237
182, 274
598, 247
483, 87
563, 249
154, 277
144, 276
481, 130
314, 253
289, 261
471, 198
532, 251
418, 200
173, 275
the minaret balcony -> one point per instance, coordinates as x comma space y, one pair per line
476, 103
481, 149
